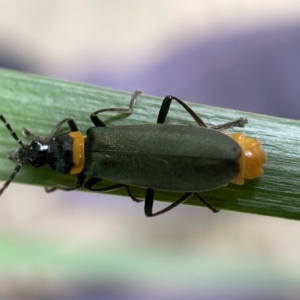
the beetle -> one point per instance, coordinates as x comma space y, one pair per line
178, 158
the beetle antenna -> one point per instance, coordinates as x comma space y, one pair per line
13, 134
11, 178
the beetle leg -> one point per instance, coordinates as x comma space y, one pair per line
150, 199
92, 181
165, 106
206, 203
131, 195
126, 110
46, 139
78, 185
240, 122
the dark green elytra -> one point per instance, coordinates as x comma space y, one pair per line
150, 156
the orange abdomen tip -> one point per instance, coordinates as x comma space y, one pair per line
251, 160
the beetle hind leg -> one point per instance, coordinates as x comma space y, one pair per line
149, 200
209, 206
165, 106
240, 122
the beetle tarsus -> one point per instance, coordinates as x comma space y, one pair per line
240, 122
125, 110
59, 187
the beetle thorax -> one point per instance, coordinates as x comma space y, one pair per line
60, 154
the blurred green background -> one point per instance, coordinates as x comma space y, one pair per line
237, 54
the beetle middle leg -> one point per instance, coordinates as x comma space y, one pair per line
126, 110
92, 181
149, 200
165, 106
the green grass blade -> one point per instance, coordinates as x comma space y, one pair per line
38, 103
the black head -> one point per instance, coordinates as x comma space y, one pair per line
34, 155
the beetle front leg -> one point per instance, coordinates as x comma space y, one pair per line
46, 139
79, 183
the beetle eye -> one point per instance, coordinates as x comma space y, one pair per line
35, 145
